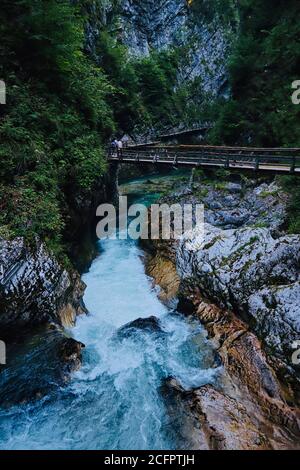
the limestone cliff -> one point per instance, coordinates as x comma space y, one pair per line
154, 25
245, 263
241, 278
35, 289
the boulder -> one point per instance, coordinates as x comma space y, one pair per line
39, 363
148, 325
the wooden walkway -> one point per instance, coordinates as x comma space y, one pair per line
264, 160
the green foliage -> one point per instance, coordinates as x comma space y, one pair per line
57, 116
157, 76
62, 106
262, 68
225, 9
291, 184
114, 60
86, 166
146, 90
222, 174
217, 178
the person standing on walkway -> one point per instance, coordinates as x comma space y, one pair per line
120, 147
114, 146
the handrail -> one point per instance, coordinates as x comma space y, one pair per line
269, 159
218, 148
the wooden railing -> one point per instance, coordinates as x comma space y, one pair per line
272, 160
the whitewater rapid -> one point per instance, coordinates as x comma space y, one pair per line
116, 401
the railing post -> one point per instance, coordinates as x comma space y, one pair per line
293, 166
256, 166
227, 163
201, 157
175, 160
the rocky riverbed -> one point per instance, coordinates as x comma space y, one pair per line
242, 281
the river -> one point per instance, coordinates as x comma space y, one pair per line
117, 399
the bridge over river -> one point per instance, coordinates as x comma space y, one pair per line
263, 160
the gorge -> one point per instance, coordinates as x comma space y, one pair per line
133, 343
117, 345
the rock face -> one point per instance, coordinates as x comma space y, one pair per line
165, 275
249, 370
35, 289
241, 278
148, 325
160, 24
224, 423
52, 357
71, 356
227, 422
243, 262
248, 271
236, 205
147, 25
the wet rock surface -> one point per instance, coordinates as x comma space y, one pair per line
244, 262
148, 325
242, 281
35, 289
156, 25
39, 363
160, 24
253, 274
223, 422
70, 352
165, 275
36, 292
